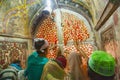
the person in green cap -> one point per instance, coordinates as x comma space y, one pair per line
101, 66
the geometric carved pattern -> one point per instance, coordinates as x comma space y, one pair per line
10, 51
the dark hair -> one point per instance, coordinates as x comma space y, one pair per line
38, 44
94, 76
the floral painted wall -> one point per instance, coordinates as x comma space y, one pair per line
16, 16
95, 7
116, 18
11, 14
13, 49
110, 39
15, 37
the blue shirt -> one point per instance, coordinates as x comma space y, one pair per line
17, 66
35, 65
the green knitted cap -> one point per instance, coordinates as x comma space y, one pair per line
102, 63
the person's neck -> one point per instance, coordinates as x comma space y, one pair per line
41, 54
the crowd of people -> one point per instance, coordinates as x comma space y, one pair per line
100, 66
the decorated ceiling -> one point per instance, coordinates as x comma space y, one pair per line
21, 14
